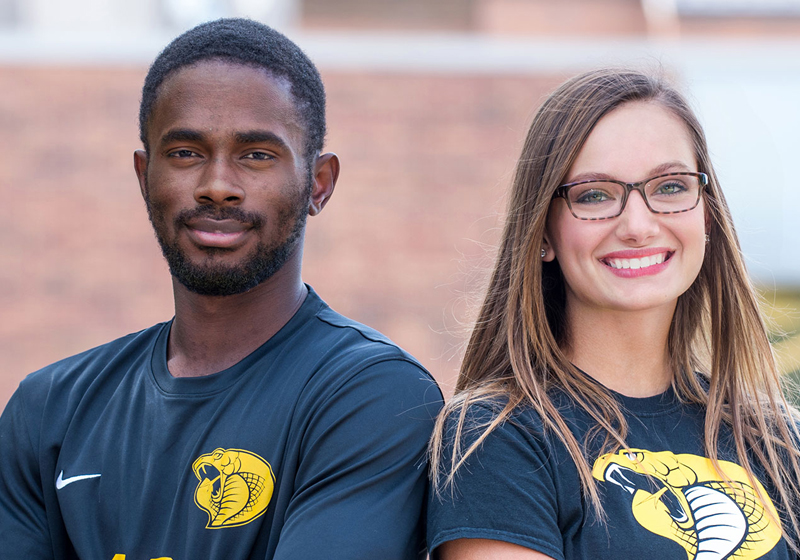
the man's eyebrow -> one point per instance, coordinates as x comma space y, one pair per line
259, 137
182, 135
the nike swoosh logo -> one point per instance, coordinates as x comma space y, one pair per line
61, 481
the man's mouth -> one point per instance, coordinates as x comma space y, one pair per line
223, 234
210, 225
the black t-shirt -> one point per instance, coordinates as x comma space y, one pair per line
312, 446
661, 497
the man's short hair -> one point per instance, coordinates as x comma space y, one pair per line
246, 42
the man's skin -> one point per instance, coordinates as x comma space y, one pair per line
228, 135
310, 441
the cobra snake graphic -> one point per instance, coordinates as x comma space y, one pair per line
682, 498
235, 486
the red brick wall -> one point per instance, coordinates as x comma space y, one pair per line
453, 15
565, 18
745, 28
579, 19
425, 163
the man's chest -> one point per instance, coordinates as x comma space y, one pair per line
149, 477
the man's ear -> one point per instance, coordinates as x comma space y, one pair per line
140, 166
326, 172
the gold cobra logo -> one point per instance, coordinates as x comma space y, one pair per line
682, 498
235, 486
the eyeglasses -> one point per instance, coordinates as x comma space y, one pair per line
602, 199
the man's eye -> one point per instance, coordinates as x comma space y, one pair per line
182, 153
261, 156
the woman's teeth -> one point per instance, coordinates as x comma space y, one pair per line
643, 262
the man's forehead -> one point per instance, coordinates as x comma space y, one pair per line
219, 86
221, 66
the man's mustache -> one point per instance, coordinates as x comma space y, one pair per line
253, 219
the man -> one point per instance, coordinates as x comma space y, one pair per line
258, 423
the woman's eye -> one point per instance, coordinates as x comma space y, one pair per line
592, 197
673, 187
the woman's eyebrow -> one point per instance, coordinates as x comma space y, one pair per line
669, 166
590, 176
659, 169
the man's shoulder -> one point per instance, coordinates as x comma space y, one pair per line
84, 367
357, 335
357, 342
345, 352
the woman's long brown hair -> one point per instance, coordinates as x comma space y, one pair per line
515, 354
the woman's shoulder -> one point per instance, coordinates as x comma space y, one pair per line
502, 421
501, 477
498, 411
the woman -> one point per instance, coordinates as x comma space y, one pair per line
618, 396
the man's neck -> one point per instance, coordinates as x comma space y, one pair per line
212, 333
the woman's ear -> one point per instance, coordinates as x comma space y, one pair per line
547, 254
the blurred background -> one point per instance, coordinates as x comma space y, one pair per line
428, 103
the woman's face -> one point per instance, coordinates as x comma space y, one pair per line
603, 261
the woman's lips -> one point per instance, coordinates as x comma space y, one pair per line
635, 263
223, 234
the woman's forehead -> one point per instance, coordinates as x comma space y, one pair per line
632, 141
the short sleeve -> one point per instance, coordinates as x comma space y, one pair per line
361, 485
23, 520
506, 490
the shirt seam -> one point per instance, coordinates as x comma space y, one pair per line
493, 534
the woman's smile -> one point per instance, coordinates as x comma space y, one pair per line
640, 262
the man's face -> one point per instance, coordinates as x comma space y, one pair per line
226, 183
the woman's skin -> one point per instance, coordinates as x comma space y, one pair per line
485, 549
619, 322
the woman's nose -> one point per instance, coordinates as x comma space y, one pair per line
637, 223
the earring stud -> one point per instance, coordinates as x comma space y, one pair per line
544, 253
708, 238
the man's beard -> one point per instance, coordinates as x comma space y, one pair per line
216, 279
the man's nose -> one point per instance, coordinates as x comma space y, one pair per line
219, 184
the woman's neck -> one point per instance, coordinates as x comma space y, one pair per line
625, 351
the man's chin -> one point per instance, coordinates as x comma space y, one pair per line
217, 279
220, 281
215, 287
222, 272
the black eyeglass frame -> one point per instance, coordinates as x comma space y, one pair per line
561, 192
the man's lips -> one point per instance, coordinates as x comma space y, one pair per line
210, 225
208, 232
